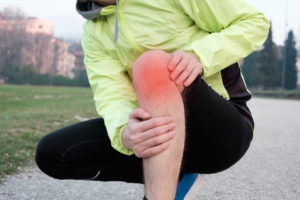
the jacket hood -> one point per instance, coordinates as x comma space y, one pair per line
88, 10
91, 10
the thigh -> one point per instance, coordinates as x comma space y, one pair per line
217, 135
81, 150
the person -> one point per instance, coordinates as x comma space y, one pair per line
168, 86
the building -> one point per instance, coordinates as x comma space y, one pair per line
65, 61
39, 47
31, 25
37, 26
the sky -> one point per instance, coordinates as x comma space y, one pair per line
68, 24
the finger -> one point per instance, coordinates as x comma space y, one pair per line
139, 113
186, 73
174, 60
153, 122
155, 150
192, 77
179, 68
158, 139
152, 133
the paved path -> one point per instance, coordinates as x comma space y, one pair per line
269, 171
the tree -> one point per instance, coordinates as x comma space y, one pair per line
268, 64
250, 70
13, 74
28, 71
9, 13
12, 36
290, 59
82, 79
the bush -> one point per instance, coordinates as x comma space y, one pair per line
63, 81
13, 74
40, 79
82, 79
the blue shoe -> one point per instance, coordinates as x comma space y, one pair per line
189, 186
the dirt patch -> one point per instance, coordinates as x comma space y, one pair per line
79, 118
20, 130
15, 99
64, 96
7, 94
37, 96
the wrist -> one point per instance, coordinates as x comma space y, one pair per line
124, 136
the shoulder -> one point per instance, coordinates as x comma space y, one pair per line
88, 29
90, 40
96, 36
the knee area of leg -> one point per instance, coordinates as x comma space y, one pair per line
151, 67
153, 61
43, 152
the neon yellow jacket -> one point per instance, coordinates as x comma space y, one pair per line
218, 32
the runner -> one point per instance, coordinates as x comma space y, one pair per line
167, 84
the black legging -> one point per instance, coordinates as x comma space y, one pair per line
217, 136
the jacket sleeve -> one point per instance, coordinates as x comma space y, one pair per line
114, 96
236, 30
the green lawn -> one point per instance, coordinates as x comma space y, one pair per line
29, 112
281, 94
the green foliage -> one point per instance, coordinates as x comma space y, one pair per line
250, 70
13, 73
40, 79
269, 67
282, 94
28, 71
63, 81
290, 69
82, 79
263, 69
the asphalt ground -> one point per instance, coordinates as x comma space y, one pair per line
270, 170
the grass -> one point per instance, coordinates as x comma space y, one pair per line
281, 94
29, 112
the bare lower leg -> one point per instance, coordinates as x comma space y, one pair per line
160, 96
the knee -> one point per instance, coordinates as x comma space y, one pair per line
151, 61
40, 152
44, 156
150, 71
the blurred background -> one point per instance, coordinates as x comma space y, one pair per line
40, 45
43, 87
